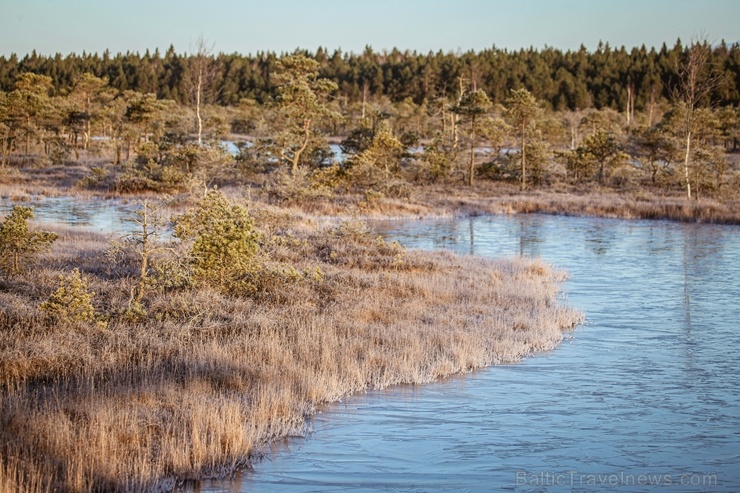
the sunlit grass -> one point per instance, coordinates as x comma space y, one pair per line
208, 378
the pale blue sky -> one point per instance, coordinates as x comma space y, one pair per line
248, 26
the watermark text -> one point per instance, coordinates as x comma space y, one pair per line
575, 478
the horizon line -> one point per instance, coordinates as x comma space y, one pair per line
383, 51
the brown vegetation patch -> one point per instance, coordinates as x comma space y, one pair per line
206, 378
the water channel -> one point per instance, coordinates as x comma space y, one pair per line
644, 397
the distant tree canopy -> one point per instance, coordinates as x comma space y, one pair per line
535, 117
608, 77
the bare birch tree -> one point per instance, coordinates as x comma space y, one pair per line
199, 78
695, 82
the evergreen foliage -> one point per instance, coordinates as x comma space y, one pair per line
18, 244
301, 103
405, 116
72, 300
608, 77
224, 243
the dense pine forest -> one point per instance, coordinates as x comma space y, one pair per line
605, 78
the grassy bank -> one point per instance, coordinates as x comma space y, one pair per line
497, 198
205, 378
574, 202
420, 201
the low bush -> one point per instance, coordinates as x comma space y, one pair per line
71, 301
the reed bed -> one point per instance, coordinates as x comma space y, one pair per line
500, 198
497, 198
623, 206
196, 388
431, 200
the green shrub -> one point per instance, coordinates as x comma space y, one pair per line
172, 273
174, 166
72, 301
98, 176
286, 186
18, 244
225, 243
132, 181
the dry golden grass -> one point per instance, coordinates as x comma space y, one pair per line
207, 378
633, 200
493, 198
499, 198
625, 206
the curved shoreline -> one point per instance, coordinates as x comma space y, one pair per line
612, 207
193, 389
417, 281
447, 203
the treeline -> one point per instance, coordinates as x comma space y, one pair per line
676, 141
608, 77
